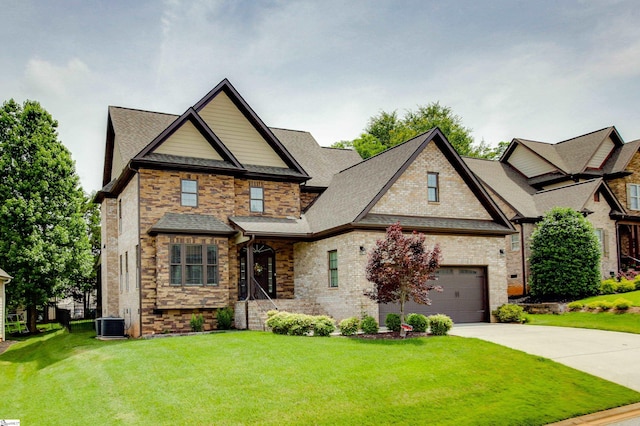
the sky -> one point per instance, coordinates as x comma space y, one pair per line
539, 70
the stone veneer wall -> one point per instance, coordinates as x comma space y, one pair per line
619, 186
312, 280
306, 198
281, 199
456, 198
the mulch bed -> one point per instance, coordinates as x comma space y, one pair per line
392, 335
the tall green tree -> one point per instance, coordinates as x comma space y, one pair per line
44, 243
565, 257
386, 130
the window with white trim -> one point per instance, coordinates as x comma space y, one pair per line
601, 235
433, 191
256, 195
515, 242
189, 193
193, 264
333, 268
633, 194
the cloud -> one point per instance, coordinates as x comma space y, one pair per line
49, 79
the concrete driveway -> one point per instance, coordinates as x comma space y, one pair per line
607, 354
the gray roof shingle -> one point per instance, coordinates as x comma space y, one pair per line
191, 224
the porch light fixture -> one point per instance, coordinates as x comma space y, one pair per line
363, 250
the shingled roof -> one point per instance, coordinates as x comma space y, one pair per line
178, 223
319, 162
354, 191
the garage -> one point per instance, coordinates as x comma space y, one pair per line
464, 297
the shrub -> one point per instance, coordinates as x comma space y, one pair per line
278, 322
419, 322
605, 305
225, 318
393, 322
369, 325
622, 304
440, 324
197, 322
575, 306
593, 306
608, 286
509, 313
349, 326
324, 326
636, 281
565, 257
625, 286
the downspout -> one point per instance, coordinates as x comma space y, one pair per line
524, 265
249, 277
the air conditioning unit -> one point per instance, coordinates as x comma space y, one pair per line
110, 327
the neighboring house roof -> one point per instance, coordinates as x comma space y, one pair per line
4, 277
589, 154
510, 185
354, 191
321, 163
177, 223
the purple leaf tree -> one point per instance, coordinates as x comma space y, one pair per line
400, 267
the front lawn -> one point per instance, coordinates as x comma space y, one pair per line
610, 321
261, 378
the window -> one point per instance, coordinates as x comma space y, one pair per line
121, 274
191, 264
515, 242
120, 216
126, 270
189, 196
633, 193
137, 266
333, 268
432, 187
257, 199
600, 234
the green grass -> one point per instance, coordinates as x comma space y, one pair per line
261, 378
633, 297
610, 321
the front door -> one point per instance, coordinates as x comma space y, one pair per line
263, 269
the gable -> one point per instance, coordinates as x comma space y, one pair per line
528, 163
408, 194
238, 134
601, 154
187, 141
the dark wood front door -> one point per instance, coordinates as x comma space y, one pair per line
263, 270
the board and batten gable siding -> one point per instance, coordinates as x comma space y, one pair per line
528, 163
238, 134
408, 194
187, 141
601, 154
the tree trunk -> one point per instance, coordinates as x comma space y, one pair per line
403, 332
32, 317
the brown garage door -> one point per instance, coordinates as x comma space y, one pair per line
464, 297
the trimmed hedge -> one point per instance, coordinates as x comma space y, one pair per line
393, 322
282, 322
509, 313
440, 324
369, 325
419, 322
349, 326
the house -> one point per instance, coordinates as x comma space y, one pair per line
4, 279
212, 208
596, 174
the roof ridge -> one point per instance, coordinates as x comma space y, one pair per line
289, 130
586, 134
568, 186
390, 149
144, 110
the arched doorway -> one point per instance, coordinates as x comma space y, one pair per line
263, 270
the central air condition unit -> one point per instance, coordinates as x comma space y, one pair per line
110, 327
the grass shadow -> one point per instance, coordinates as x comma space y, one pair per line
53, 346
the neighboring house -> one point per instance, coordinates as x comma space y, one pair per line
4, 279
212, 209
596, 174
